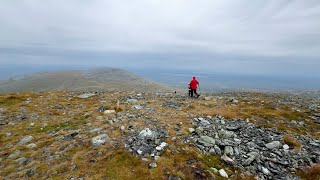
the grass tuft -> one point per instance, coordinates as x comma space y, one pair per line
310, 173
292, 142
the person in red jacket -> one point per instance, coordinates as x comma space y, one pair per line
193, 86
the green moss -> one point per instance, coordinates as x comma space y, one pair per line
57, 127
212, 161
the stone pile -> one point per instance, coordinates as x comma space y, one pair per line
147, 143
256, 150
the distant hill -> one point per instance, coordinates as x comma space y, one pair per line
101, 79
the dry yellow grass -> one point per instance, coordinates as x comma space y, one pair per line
292, 142
310, 173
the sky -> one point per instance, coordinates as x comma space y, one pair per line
274, 37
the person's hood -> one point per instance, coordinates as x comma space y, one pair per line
194, 78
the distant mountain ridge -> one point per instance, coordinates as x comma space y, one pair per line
100, 79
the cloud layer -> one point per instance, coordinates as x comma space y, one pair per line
242, 30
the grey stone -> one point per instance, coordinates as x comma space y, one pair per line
207, 141
191, 130
215, 170
145, 159
227, 159
31, 172
14, 154
314, 144
228, 150
101, 108
153, 165
212, 151
2, 110
199, 130
286, 147
109, 111
100, 118
146, 133
161, 146
226, 134
96, 130
236, 151
203, 122
132, 100
21, 161
25, 140
137, 107
232, 128
31, 146
223, 173
156, 158
86, 95
273, 145
110, 121
265, 171
252, 145
54, 156
217, 150
233, 100
252, 157
100, 140
70, 137
317, 115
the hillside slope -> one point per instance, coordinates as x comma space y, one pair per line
102, 79
65, 135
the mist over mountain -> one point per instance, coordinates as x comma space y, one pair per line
175, 78
100, 79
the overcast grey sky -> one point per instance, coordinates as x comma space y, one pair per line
258, 36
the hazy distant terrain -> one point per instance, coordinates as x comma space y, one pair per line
100, 79
218, 81
175, 78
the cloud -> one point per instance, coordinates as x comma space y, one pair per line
228, 29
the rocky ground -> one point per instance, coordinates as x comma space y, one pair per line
132, 135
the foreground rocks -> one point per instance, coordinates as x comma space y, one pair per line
60, 134
147, 143
256, 150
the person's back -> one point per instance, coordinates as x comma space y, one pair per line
193, 86
194, 83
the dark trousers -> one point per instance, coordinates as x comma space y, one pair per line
193, 91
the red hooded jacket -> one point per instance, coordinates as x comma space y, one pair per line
194, 83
